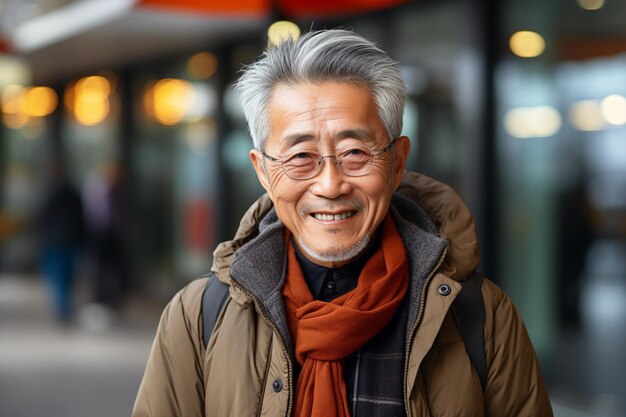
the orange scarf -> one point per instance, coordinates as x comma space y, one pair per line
325, 333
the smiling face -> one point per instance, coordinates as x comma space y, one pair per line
332, 215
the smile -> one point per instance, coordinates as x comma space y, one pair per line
333, 217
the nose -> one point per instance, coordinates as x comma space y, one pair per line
329, 182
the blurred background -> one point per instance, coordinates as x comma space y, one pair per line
124, 159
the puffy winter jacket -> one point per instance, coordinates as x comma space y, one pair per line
247, 368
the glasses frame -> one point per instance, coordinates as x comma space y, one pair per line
321, 159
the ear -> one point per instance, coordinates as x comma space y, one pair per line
403, 149
257, 162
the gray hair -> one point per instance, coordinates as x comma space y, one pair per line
315, 57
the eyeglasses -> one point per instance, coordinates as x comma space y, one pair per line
354, 161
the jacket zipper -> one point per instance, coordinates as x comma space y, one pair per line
282, 343
414, 328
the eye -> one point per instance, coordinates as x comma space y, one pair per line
300, 159
355, 155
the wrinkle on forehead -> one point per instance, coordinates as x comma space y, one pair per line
306, 112
362, 134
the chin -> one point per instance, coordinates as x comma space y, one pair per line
335, 254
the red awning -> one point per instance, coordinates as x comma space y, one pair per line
289, 8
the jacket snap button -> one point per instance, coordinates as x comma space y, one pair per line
444, 289
277, 385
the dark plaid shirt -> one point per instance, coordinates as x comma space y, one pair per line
374, 374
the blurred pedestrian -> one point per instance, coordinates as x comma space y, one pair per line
62, 232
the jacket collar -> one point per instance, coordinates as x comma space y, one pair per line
452, 219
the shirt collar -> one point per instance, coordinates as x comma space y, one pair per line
315, 274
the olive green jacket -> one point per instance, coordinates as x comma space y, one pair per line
248, 350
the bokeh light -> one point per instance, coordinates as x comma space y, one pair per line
88, 99
202, 65
25, 105
94, 82
527, 44
39, 101
613, 109
586, 115
282, 30
169, 100
91, 107
532, 122
591, 4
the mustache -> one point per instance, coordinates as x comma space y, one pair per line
332, 205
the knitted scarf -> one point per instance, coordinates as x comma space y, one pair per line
325, 333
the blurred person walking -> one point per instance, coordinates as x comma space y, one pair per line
62, 233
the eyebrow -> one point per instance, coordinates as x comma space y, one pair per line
297, 138
292, 140
363, 134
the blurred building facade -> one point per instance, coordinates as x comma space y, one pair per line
519, 105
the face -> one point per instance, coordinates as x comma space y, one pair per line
331, 215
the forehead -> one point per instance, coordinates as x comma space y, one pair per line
312, 112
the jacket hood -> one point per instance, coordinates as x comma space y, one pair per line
450, 217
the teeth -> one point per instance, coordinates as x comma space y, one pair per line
335, 217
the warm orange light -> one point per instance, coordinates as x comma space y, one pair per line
527, 44
202, 65
39, 101
88, 99
23, 107
172, 99
91, 107
94, 82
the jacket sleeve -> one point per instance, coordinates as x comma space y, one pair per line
514, 385
172, 384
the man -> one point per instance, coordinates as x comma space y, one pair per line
342, 277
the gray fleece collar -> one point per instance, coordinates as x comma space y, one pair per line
259, 266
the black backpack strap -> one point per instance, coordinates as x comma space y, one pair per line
213, 300
470, 313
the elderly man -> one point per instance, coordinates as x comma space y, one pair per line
341, 279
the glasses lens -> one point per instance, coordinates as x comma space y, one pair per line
355, 161
301, 165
